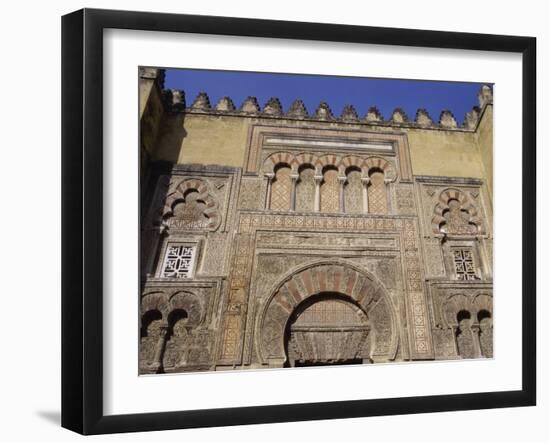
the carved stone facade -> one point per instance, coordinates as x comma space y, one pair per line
322, 248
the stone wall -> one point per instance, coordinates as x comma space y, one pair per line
277, 240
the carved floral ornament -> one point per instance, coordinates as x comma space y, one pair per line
165, 304
189, 205
358, 286
341, 163
455, 214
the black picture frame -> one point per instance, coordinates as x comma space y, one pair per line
82, 216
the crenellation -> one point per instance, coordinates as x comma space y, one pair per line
298, 110
250, 106
447, 120
349, 114
399, 116
202, 102
177, 100
225, 105
273, 107
323, 112
423, 118
485, 96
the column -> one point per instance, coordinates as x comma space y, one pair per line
269, 177
341, 203
477, 342
387, 182
293, 181
159, 350
318, 179
365, 181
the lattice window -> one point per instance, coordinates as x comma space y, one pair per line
378, 203
280, 190
330, 312
465, 268
305, 190
353, 197
179, 261
329, 191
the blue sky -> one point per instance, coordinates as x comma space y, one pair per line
362, 93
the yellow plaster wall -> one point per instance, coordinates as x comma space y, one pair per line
447, 153
204, 139
485, 143
222, 140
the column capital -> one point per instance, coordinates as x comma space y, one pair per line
294, 176
365, 180
163, 330
342, 179
318, 178
269, 175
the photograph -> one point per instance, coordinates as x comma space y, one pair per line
292, 220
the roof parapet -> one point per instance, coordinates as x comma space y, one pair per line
485, 96
175, 101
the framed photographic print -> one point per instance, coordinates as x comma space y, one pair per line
273, 221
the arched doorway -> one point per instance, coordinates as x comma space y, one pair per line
327, 329
306, 296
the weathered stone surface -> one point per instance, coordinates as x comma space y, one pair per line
311, 239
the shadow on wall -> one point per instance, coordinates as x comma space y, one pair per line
170, 138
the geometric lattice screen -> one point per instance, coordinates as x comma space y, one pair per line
178, 261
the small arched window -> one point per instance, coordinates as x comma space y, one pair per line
305, 189
281, 188
329, 190
150, 323
353, 198
177, 321
378, 201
